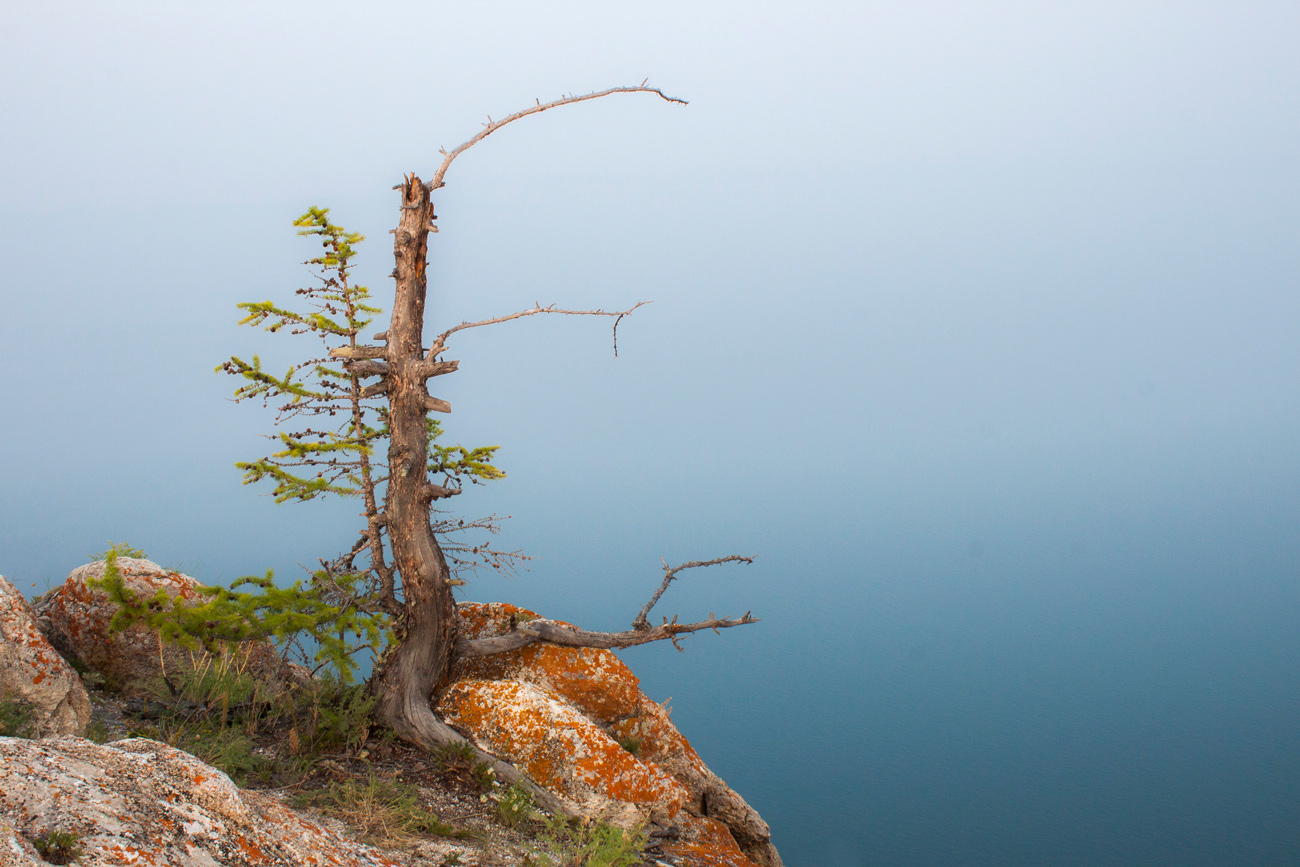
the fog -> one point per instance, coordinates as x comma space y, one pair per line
975, 323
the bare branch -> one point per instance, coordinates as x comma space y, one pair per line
554, 632
566, 635
374, 389
640, 622
439, 344
470, 557
493, 125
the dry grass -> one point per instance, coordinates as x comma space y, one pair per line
381, 811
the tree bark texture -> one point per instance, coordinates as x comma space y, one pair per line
427, 626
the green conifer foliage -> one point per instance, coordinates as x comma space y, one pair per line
295, 617
332, 455
335, 459
330, 427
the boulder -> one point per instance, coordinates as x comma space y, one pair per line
142, 802
76, 618
33, 675
563, 751
561, 685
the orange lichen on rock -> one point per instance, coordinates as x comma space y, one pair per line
488, 619
705, 842
562, 750
661, 742
593, 680
32, 673
135, 802
595, 685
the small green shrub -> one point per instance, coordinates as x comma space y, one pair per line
515, 807
337, 716
460, 758
597, 845
484, 776
58, 847
16, 719
449, 756
89, 679
210, 684
632, 745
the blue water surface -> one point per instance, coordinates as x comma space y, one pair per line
1074, 686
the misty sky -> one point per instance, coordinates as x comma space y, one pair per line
937, 286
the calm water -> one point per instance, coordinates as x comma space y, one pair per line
1118, 692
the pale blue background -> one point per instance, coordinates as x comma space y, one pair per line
975, 322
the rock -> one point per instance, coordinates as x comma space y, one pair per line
563, 751
34, 675
141, 802
599, 687
662, 744
705, 842
15, 851
76, 618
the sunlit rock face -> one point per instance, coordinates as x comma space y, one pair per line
144, 803
76, 618
33, 677
574, 717
563, 751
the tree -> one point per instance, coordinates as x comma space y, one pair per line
355, 397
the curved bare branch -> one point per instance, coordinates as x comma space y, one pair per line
493, 125
440, 343
670, 573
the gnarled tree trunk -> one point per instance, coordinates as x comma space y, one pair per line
427, 625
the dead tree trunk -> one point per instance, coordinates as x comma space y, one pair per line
427, 626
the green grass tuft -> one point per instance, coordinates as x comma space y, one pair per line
58, 847
16, 719
515, 807
598, 845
